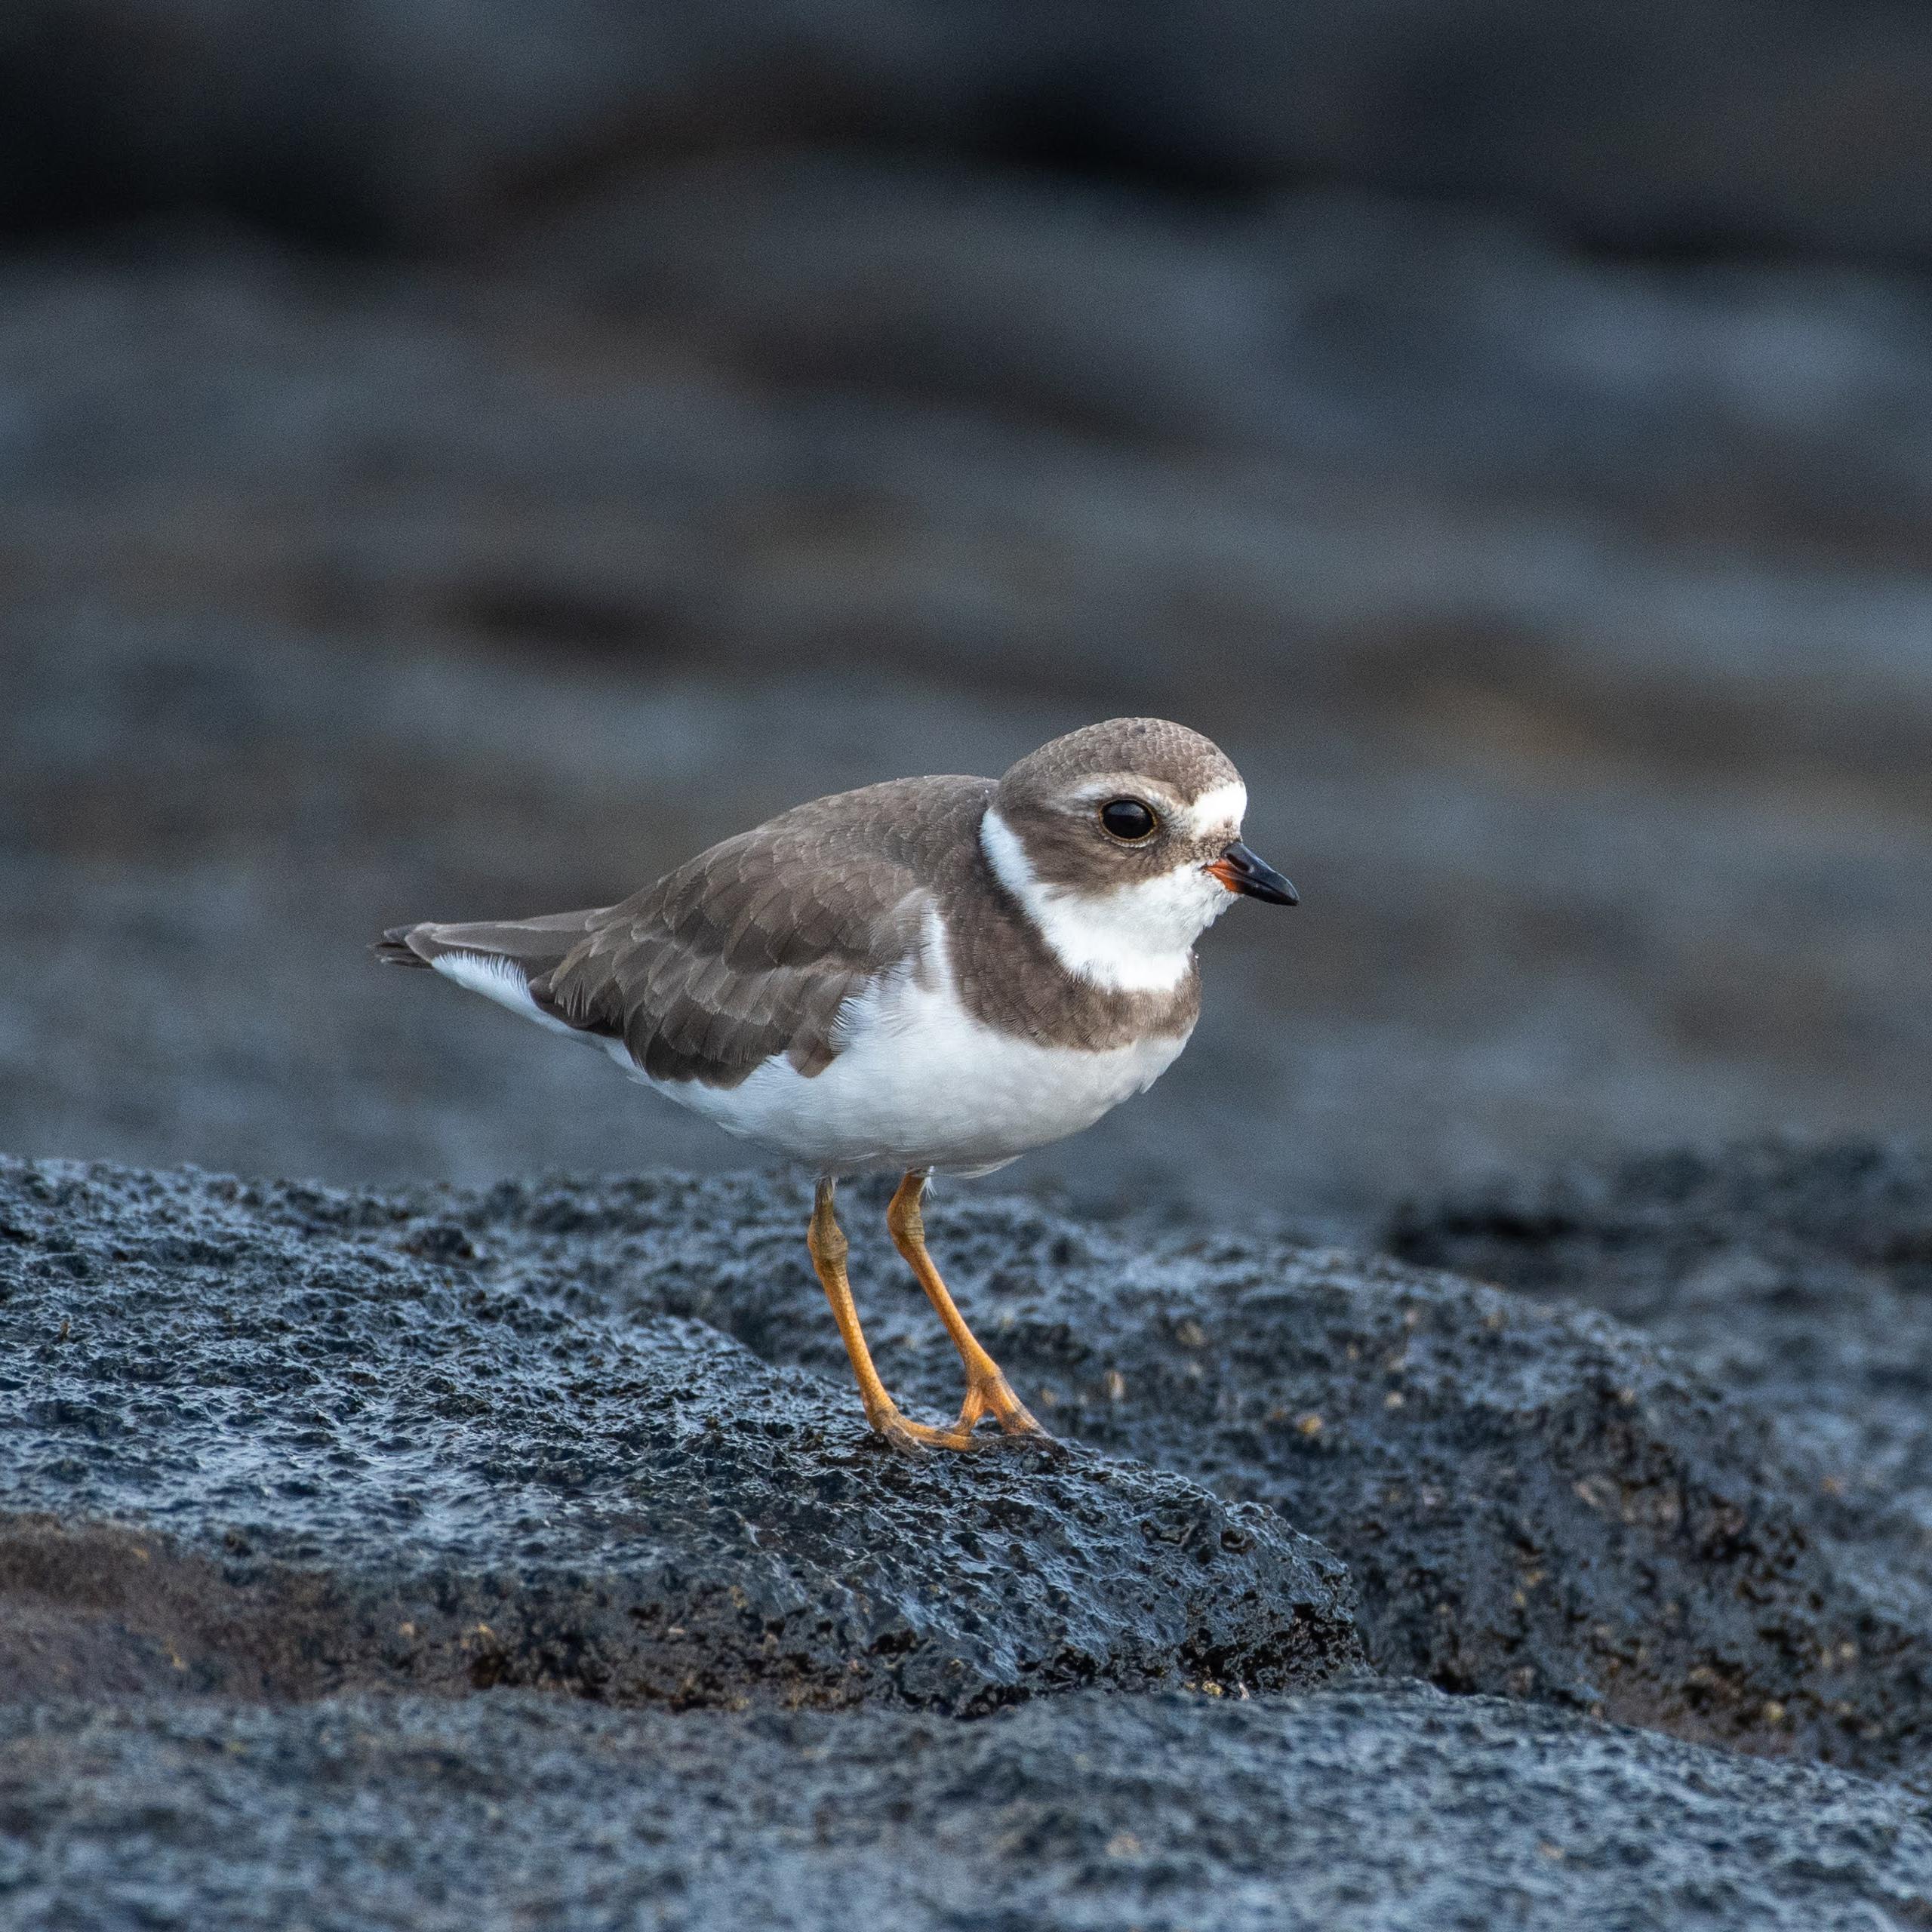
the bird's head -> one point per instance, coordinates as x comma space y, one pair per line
1122, 842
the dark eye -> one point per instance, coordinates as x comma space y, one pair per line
1128, 819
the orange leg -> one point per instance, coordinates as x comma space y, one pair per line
826, 1240
988, 1391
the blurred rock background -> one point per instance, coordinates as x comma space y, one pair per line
459, 459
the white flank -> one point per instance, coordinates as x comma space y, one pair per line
918, 1082
1136, 938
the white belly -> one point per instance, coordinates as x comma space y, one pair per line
921, 1084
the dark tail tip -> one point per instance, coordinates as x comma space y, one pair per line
393, 948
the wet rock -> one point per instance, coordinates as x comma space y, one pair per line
523, 1466
1797, 1273
270, 1441
1534, 1501
1383, 1809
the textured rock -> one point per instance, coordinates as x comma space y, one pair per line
513, 1409
1375, 1810
292, 1440
1797, 1273
1533, 1502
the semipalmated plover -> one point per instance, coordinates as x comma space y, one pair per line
933, 975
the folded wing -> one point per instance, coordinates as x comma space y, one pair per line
754, 948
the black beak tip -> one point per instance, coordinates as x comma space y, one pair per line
1255, 878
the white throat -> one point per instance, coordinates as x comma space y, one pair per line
1137, 938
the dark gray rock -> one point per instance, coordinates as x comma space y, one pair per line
1375, 1810
1379, 337
1107, 312
270, 1441
1533, 1502
1798, 1273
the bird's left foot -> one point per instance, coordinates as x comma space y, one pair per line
992, 1395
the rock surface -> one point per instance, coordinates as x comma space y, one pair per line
1375, 1809
292, 1446
515, 1409
272, 1442
1798, 1273
1539, 1503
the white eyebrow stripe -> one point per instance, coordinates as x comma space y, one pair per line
1225, 805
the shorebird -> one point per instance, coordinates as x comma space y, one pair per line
932, 975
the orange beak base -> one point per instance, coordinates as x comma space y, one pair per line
1241, 871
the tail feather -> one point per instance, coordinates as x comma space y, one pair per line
393, 948
535, 944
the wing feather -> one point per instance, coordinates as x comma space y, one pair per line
754, 948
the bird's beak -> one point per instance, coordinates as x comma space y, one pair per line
1240, 871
